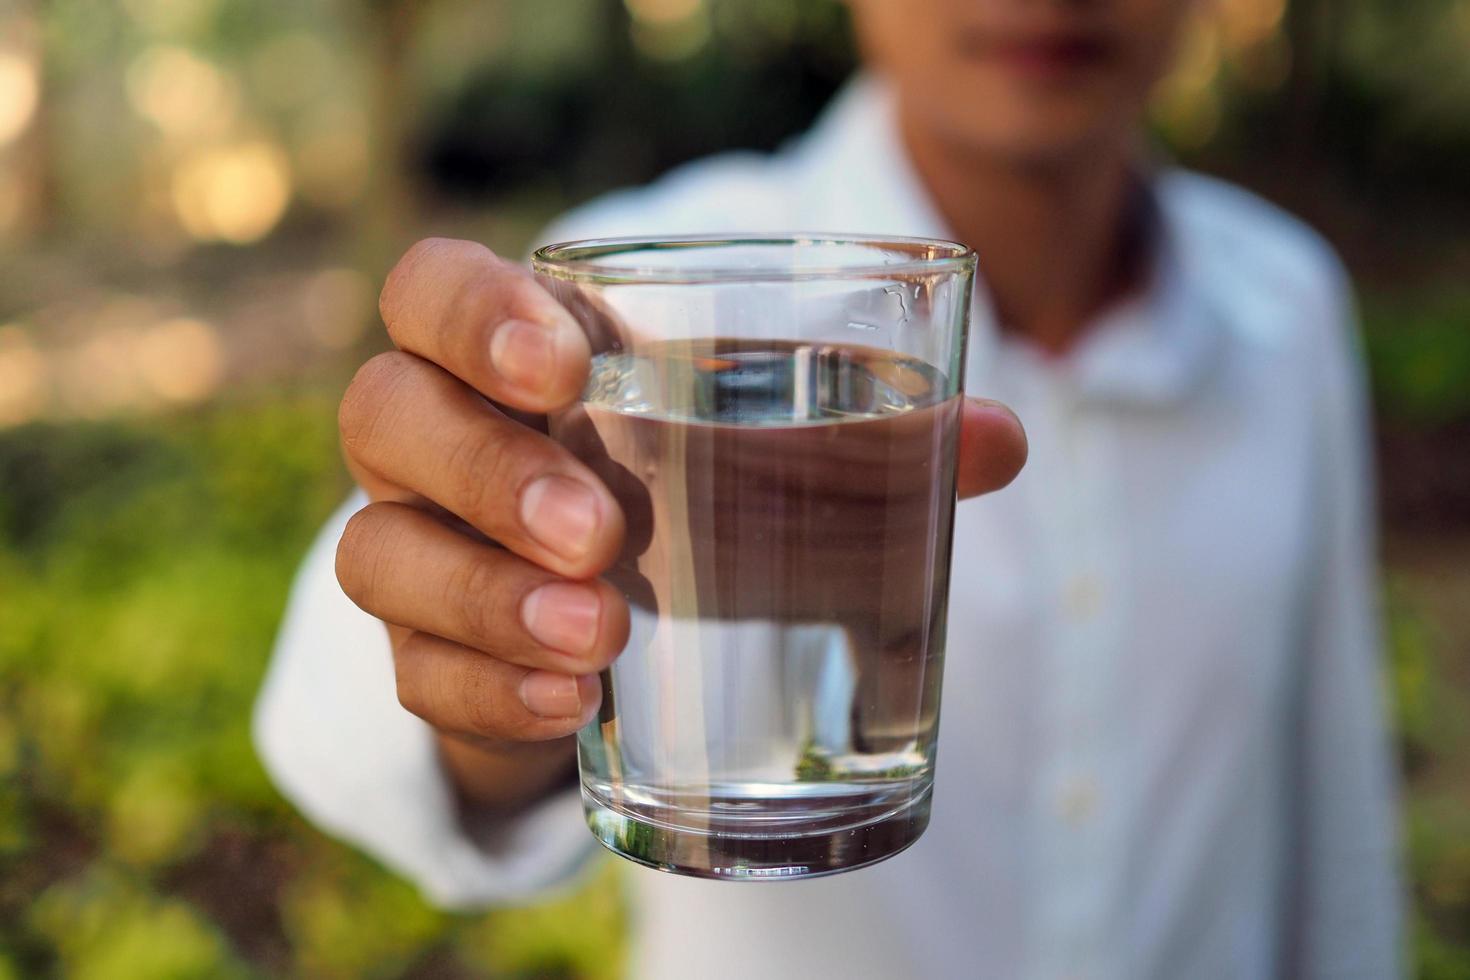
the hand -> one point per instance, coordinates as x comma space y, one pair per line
484, 539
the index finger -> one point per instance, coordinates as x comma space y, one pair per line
992, 447
486, 321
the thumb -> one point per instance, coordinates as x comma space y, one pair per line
992, 447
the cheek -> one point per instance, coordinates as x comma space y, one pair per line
903, 39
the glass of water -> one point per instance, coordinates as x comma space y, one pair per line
778, 418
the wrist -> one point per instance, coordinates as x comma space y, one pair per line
500, 779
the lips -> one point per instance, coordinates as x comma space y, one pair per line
1053, 55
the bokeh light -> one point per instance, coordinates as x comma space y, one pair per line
234, 193
663, 11
20, 91
180, 360
127, 357
171, 17
1186, 104
1250, 22
96, 379
23, 377
670, 30
336, 307
181, 93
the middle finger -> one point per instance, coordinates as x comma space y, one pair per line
414, 425
405, 567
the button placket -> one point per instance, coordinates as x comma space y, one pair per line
1077, 877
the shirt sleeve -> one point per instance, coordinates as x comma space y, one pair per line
1348, 901
338, 745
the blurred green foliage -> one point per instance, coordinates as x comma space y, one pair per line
105, 926
143, 567
1419, 344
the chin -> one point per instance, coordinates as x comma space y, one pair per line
1041, 132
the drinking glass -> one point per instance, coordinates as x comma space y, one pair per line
778, 418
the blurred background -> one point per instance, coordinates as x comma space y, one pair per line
197, 201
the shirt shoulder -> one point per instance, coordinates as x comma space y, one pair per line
1275, 279
740, 191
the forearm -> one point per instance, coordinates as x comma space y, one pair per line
501, 779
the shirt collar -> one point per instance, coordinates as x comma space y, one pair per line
1154, 349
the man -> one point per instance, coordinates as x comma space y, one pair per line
1162, 749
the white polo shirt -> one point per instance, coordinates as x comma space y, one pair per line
1162, 752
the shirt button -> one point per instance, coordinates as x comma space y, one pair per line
1079, 801
1083, 597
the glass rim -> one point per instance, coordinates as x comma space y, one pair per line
578, 261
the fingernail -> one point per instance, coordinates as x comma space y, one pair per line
523, 353
551, 695
561, 514
563, 616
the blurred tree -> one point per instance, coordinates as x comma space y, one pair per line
26, 192
389, 29
659, 83
1306, 39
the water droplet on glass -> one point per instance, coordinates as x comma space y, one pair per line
859, 325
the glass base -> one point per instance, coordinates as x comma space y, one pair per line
758, 832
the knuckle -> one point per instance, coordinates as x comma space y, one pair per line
484, 694
390, 300
369, 395
477, 589
519, 292
483, 467
474, 306
498, 289
474, 301
424, 259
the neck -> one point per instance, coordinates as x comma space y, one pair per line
1058, 243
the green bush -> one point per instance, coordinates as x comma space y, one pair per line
1418, 348
143, 569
